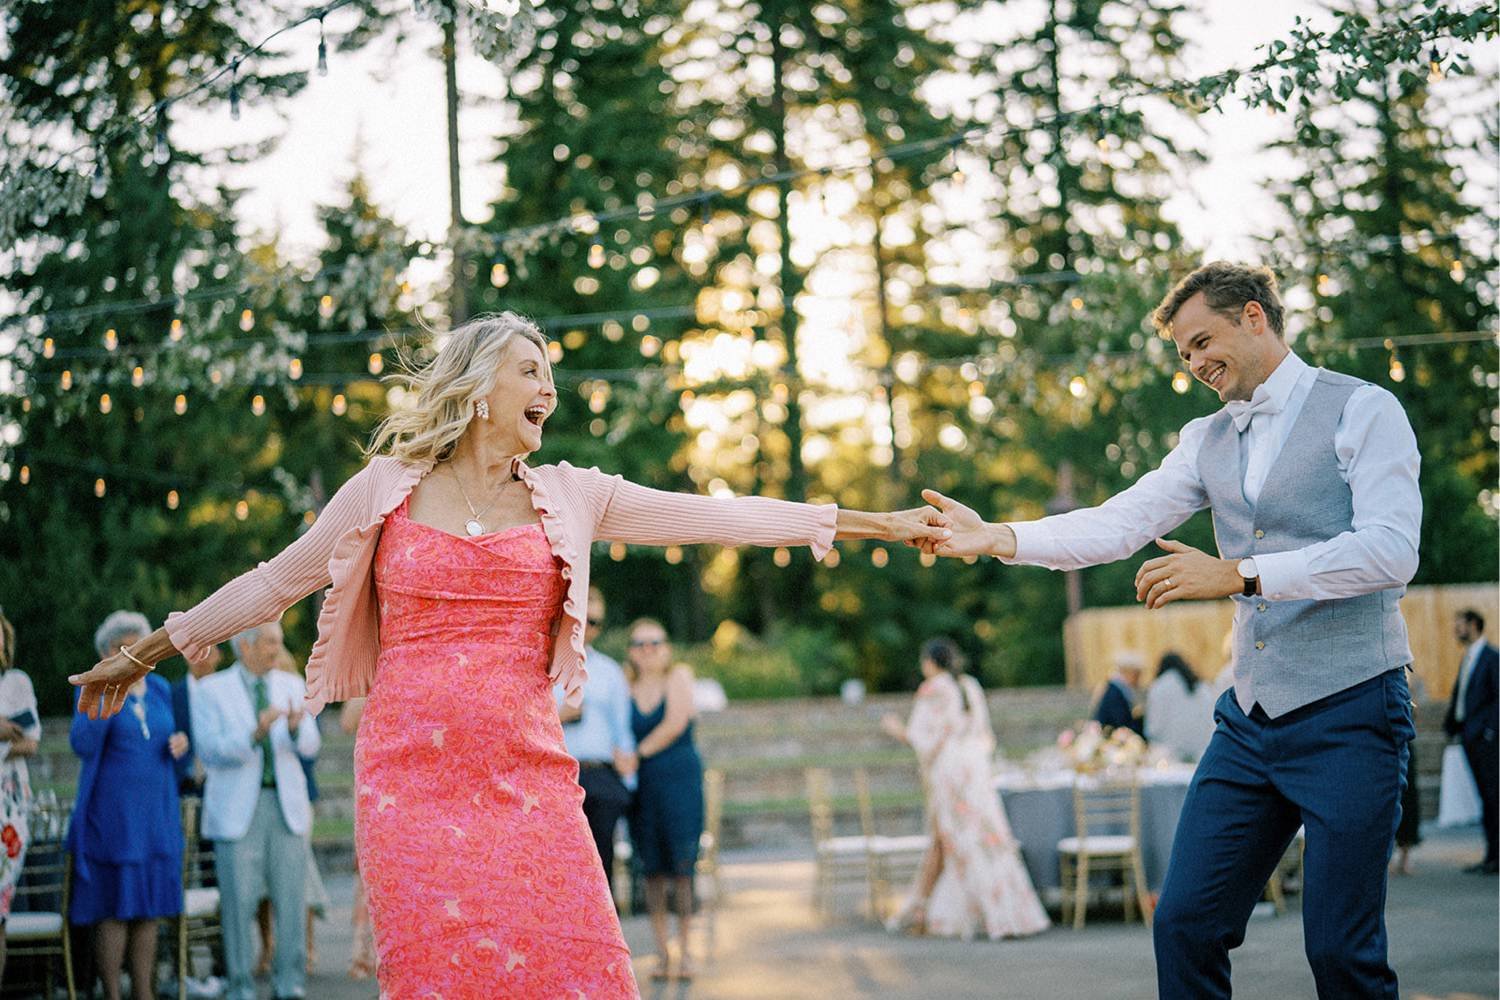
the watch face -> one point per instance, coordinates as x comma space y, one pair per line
1246, 568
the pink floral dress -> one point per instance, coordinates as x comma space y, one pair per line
983, 887
482, 877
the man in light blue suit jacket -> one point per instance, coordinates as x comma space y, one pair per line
249, 730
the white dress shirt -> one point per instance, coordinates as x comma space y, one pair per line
1377, 457
1465, 671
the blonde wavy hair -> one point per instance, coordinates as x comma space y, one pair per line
447, 387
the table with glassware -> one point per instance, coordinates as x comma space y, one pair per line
1039, 805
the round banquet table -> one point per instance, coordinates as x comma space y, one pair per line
1040, 811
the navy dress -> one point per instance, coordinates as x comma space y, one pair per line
666, 820
126, 830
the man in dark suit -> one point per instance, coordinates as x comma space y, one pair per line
1119, 701
189, 773
1474, 718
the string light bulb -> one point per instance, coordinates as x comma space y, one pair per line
179, 405
596, 255
1435, 66
99, 487
66, 379
340, 404
138, 376
1181, 383
25, 474
1398, 370
1078, 386
105, 403
376, 364
325, 307
172, 500
111, 339
499, 276
294, 369
241, 511
673, 554
175, 330
258, 405
48, 348
879, 557
247, 320
782, 557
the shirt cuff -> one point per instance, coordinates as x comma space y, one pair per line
1283, 575
1033, 542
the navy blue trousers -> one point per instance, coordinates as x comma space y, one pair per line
1336, 767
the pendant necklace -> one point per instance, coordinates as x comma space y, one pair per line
474, 526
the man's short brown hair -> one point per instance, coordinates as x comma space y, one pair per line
1226, 287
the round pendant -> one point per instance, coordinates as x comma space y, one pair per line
473, 527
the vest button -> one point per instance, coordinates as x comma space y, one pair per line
1261, 606
1259, 533
1260, 645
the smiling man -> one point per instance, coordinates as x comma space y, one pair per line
1312, 480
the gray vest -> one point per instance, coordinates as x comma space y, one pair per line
1290, 653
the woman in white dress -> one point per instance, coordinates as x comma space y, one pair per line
1179, 710
972, 879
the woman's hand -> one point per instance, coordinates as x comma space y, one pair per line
10, 732
177, 743
105, 686
892, 726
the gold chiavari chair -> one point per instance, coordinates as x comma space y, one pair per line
38, 922
1100, 807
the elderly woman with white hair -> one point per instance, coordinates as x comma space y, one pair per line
458, 576
126, 830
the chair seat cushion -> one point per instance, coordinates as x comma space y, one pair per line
24, 926
1119, 844
201, 902
844, 845
915, 843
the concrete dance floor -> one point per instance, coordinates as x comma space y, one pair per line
767, 943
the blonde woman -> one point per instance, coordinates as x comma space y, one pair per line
666, 819
458, 576
20, 732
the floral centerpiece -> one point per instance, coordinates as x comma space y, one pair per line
1087, 747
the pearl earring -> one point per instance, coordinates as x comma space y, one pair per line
482, 409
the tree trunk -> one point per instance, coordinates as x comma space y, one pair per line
458, 302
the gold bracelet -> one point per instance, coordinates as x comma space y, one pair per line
136, 659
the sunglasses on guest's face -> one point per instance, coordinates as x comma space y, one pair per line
647, 643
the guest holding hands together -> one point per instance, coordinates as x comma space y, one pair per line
251, 733
126, 831
667, 820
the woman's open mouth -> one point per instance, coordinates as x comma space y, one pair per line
536, 414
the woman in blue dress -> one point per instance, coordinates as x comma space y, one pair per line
126, 830
666, 820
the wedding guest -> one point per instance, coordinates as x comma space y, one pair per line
1179, 709
666, 821
1409, 832
1311, 476
598, 734
316, 893
362, 961
1118, 706
184, 693
972, 879
1472, 721
457, 578
251, 730
20, 733
126, 830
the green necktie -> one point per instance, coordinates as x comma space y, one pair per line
268, 763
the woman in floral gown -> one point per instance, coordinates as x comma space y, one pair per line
18, 740
457, 579
972, 879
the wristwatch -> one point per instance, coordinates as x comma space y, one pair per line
1250, 575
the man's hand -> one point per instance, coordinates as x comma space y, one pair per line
970, 534
177, 743
626, 764
294, 718
1187, 574
268, 717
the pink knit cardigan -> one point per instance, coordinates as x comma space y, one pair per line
576, 506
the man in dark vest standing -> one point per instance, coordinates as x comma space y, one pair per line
1312, 480
1473, 719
